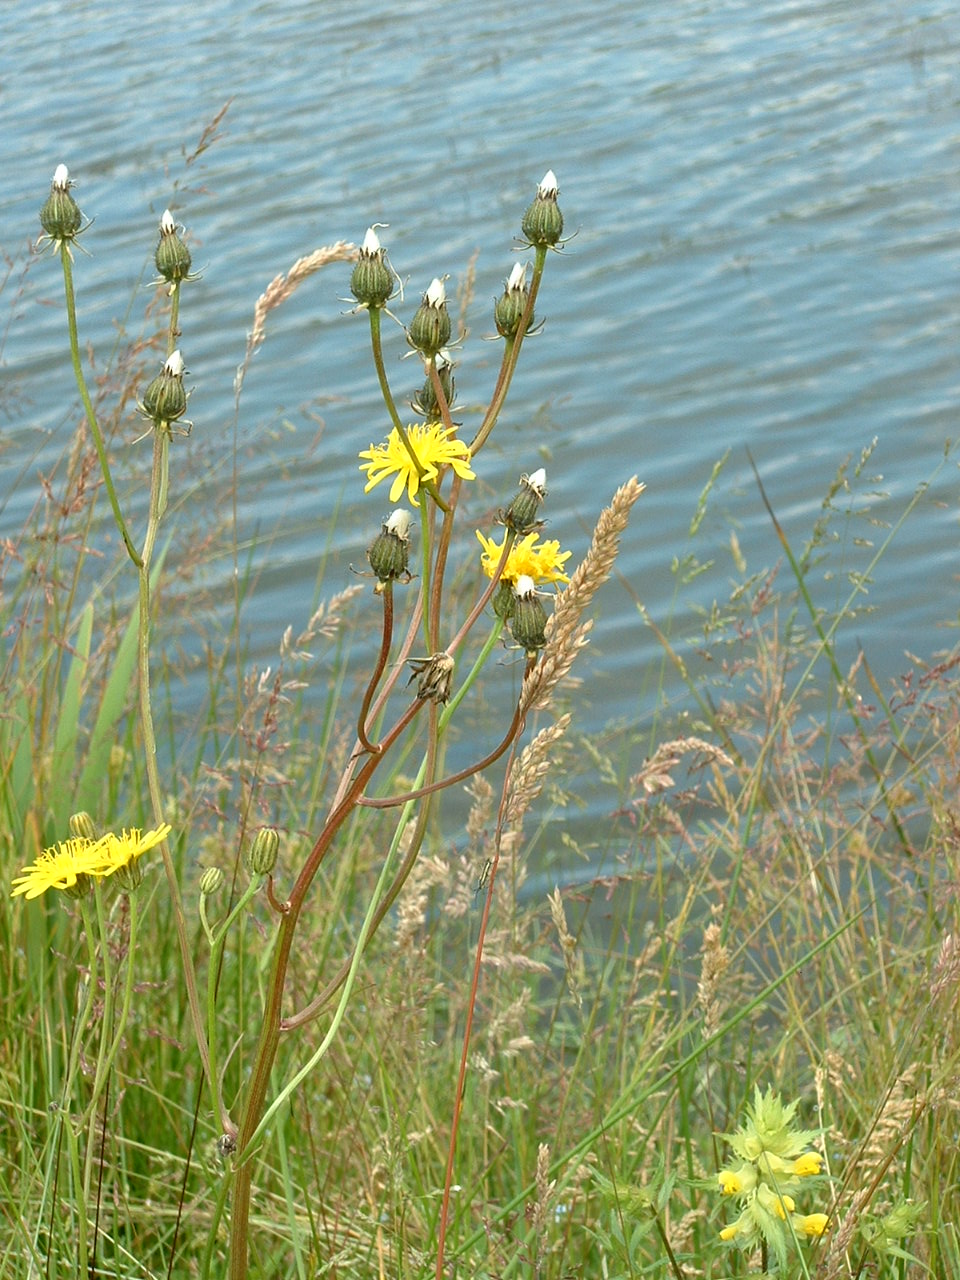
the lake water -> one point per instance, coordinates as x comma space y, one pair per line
766, 201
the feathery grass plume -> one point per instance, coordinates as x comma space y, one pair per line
716, 960
526, 778
568, 946
566, 635
281, 287
541, 1205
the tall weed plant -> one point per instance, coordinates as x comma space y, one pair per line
267, 1013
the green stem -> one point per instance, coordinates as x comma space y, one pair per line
158, 499
511, 355
88, 403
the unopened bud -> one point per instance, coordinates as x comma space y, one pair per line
543, 221
172, 256
60, 216
165, 399
372, 280
210, 881
510, 306
82, 826
529, 617
521, 515
426, 402
262, 857
390, 550
504, 602
430, 327
435, 676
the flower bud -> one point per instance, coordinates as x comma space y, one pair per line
543, 221
430, 327
210, 881
529, 617
82, 826
504, 602
372, 280
60, 216
436, 676
172, 256
391, 547
510, 306
425, 401
262, 857
521, 515
165, 399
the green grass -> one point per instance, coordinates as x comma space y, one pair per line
777, 906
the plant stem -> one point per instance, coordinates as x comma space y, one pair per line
88, 403
271, 1027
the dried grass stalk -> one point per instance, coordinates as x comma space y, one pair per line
282, 287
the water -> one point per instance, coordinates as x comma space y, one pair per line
765, 199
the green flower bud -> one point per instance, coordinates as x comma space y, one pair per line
372, 280
529, 618
425, 402
436, 676
390, 550
521, 515
172, 256
510, 306
82, 826
504, 602
60, 216
165, 399
262, 857
210, 881
430, 327
543, 221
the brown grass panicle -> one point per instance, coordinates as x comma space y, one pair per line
566, 634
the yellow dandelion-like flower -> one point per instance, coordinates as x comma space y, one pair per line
435, 446
542, 563
117, 852
59, 867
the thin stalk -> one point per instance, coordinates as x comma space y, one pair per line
271, 1026
391, 802
376, 344
511, 355
378, 668
468, 1028
158, 485
91, 416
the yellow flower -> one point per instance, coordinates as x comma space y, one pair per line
808, 1165
811, 1224
435, 447
543, 563
734, 1182
117, 852
59, 867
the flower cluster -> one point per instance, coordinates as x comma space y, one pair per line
70, 864
773, 1163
